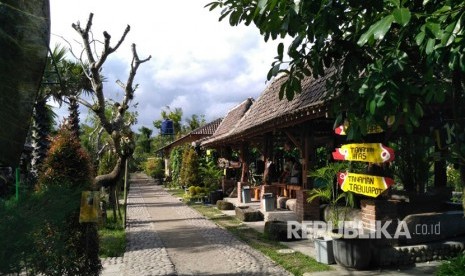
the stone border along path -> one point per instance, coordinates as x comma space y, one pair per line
166, 237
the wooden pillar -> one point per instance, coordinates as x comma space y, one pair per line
304, 157
267, 155
244, 152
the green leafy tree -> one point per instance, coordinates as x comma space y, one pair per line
173, 115
195, 121
42, 122
143, 147
383, 58
392, 57
144, 139
63, 79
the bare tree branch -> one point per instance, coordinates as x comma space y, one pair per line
83, 102
120, 133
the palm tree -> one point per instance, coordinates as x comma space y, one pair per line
62, 80
41, 123
74, 82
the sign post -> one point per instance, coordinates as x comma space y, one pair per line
125, 192
369, 185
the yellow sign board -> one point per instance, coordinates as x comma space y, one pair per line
364, 184
365, 152
89, 206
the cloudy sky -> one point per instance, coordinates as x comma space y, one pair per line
198, 63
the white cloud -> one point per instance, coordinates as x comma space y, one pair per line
199, 64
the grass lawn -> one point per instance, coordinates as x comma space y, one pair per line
297, 263
112, 237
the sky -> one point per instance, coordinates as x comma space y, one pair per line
199, 64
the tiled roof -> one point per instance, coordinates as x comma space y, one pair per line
198, 133
230, 121
269, 112
208, 129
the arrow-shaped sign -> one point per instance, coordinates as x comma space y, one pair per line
364, 184
341, 130
366, 152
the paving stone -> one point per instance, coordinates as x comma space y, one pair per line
214, 252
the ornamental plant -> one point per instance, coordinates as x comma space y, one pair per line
329, 192
153, 167
66, 163
190, 168
62, 245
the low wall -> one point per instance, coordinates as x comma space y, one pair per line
407, 255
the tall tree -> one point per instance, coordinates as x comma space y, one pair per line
144, 139
62, 80
392, 57
195, 121
174, 115
115, 125
41, 121
387, 57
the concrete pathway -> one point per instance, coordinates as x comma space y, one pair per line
165, 237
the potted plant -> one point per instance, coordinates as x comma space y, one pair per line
326, 191
211, 176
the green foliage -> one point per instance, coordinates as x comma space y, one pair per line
385, 57
143, 147
414, 162
192, 190
61, 244
154, 167
210, 174
176, 157
197, 191
453, 178
195, 121
173, 115
47, 221
329, 193
106, 163
452, 267
189, 175
66, 163
112, 237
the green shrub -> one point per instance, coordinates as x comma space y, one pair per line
211, 175
62, 245
198, 190
190, 168
154, 167
66, 163
176, 164
192, 190
452, 267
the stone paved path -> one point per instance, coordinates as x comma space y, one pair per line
165, 237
